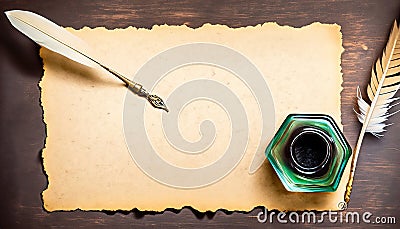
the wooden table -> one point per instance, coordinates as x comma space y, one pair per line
365, 28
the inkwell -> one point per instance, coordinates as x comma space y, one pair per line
309, 153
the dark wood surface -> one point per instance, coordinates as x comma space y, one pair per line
365, 27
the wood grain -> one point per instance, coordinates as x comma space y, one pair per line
365, 28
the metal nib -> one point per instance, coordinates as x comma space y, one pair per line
157, 102
154, 100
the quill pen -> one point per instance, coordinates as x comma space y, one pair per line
59, 40
384, 83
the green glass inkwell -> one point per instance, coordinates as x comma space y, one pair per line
309, 153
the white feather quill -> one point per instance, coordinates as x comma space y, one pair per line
57, 39
51, 36
384, 83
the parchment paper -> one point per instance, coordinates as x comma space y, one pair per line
87, 161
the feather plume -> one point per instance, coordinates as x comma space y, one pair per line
384, 83
51, 36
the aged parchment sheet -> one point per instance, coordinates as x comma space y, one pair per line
86, 158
